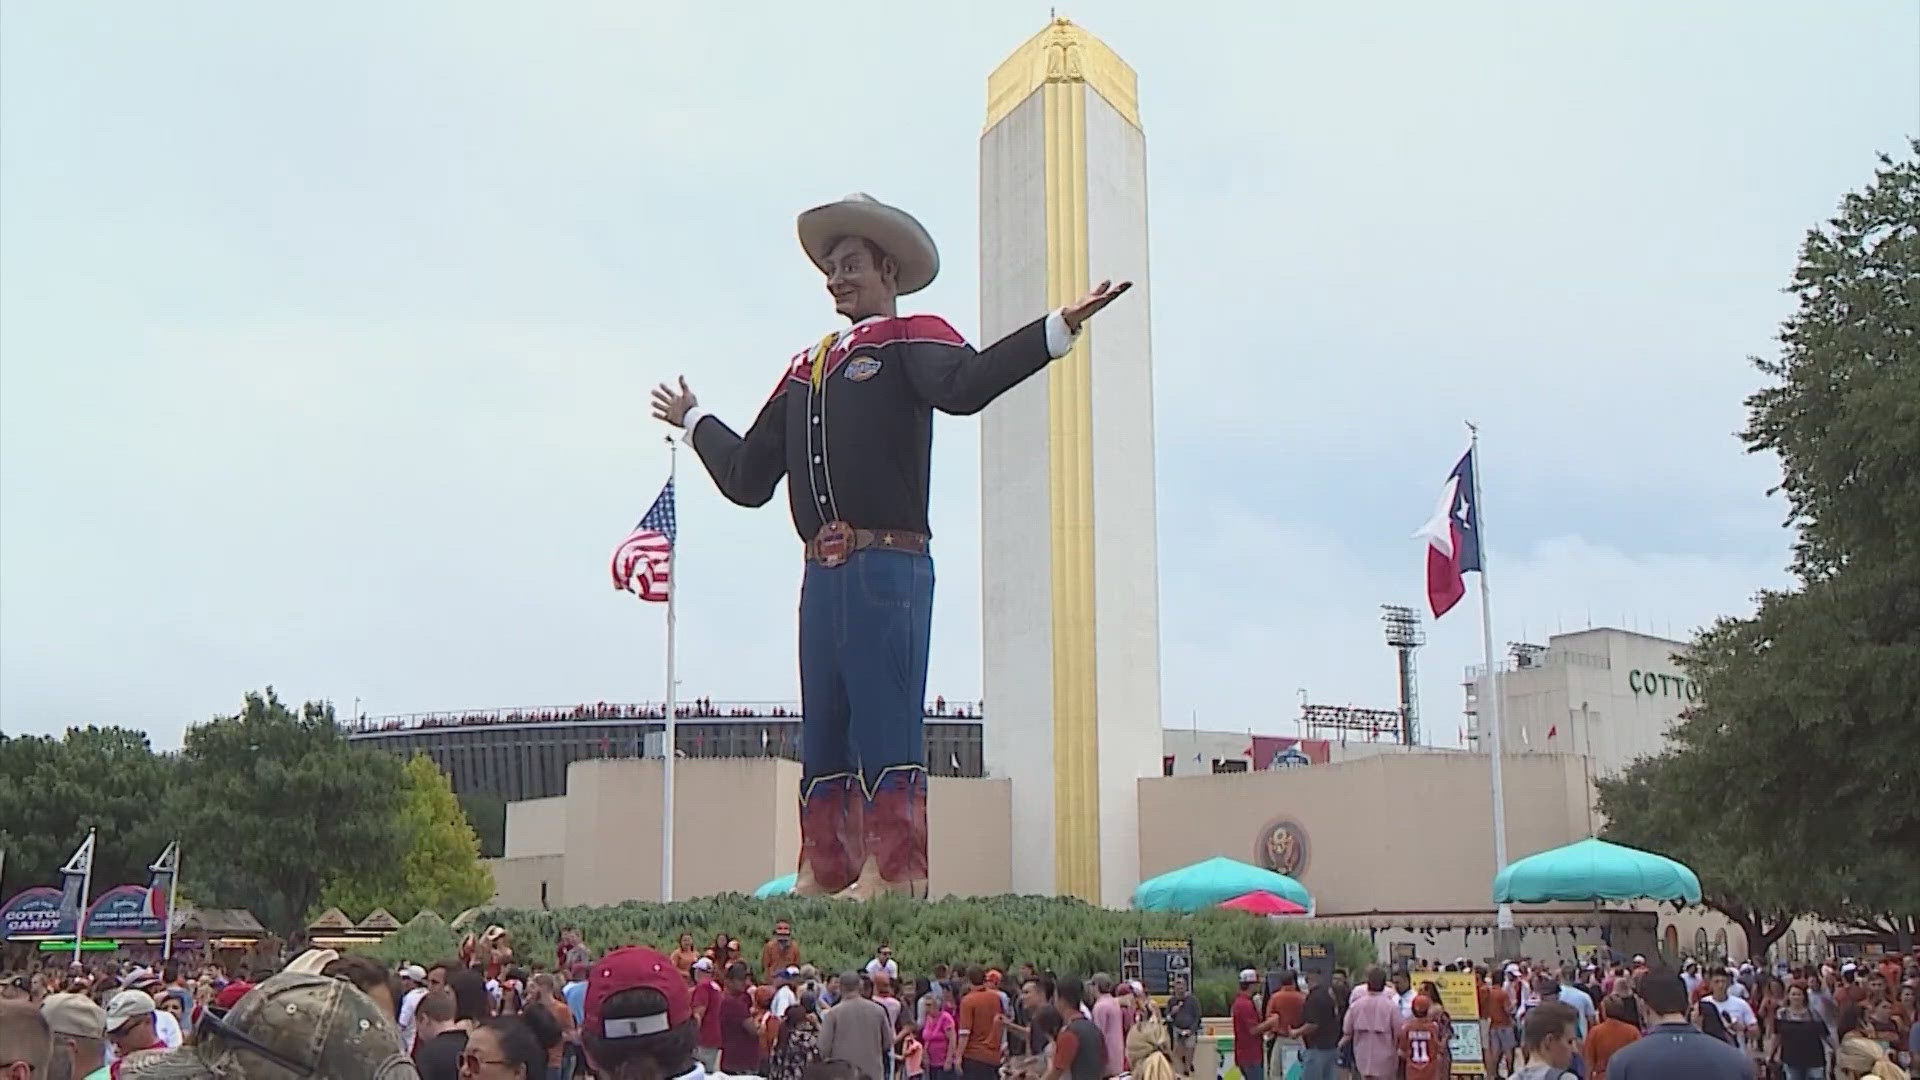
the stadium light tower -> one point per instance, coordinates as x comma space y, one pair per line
1404, 634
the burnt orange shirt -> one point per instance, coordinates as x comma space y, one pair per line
1493, 1005
1422, 1049
980, 1019
773, 957
1605, 1040
1287, 1005
683, 960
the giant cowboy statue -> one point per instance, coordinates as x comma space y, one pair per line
851, 427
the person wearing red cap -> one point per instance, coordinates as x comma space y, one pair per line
228, 997
1423, 1053
639, 1018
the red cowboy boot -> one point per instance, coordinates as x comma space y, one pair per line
896, 838
831, 836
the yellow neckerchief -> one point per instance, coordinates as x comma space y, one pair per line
820, 352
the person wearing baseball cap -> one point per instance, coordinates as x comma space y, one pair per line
229, 996
414, 978
1421, 1044
132, 1025
1248, 1052
785, 994
639, 1019
705, 995
294, 1025
79, 1027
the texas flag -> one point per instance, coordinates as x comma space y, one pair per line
1453, 539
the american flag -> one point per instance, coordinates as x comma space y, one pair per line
643, 562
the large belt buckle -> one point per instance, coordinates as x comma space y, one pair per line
834, 543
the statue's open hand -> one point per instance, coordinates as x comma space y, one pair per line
1084, 308
671, 405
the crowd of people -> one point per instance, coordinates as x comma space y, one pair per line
778, 1016
1545, 1021
696, 709
692, 1011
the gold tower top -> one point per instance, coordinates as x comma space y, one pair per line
1062, 52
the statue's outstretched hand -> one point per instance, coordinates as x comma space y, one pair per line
671, 405
1084, 308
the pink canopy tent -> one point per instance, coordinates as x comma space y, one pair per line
1261, 902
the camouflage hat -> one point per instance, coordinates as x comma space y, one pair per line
293, 1025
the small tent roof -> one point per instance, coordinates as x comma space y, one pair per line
379, 919
331, 919
1595, 869
780, 886
1263, 902
1213, 881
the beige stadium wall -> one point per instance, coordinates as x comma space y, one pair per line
1395, 833
736, 827
728, 815
517, 882
970, 836
536, 827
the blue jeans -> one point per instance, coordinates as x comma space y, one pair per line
865, 626
1805, 1072
1319, 1064
1254, 1071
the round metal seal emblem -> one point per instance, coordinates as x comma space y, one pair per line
1283, 848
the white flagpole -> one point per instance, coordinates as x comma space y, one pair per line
173, 897
1491, 707
666, 738
86, 894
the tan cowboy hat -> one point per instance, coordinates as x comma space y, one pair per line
893, 229
313, 960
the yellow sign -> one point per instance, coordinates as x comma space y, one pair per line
1460, 996
1459, 992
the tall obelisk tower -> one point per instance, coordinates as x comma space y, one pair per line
1070, 593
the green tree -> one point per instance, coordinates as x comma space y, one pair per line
1844, 412
283, 805
53, 790
1796, 773
487, 813
1671, 804
441, 867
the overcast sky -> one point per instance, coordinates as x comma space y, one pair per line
326, 330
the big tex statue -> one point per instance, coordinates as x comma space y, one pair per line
851, 428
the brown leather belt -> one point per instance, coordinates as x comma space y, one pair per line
837, 540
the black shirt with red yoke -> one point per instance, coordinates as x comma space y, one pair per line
857, 442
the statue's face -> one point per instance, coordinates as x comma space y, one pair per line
861, 279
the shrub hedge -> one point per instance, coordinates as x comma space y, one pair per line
1056, 933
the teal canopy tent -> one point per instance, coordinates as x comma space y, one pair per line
1595, 870
1213, 881
780, 886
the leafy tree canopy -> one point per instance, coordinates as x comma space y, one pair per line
288, 805
441, 867
53, 790
1790, 788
